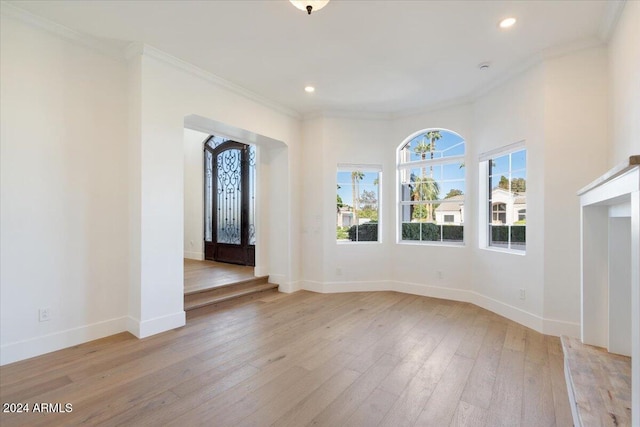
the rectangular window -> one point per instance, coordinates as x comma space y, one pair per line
357, 203
506, 200
448, 218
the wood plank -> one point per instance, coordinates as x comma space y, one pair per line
369, 358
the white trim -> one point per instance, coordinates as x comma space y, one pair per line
350, 167
433, 162
37, 346
78, 38
501, 151
342, 114
199, 256
137, 48
557, 328
518, 315
146, 328
503, 250
289, 287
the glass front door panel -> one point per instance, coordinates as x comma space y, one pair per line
229, 197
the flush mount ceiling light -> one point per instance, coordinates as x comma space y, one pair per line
507, 22
309, 5
309, 89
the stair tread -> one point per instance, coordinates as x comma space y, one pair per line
205, 299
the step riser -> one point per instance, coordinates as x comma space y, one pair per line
193, 312
188, 298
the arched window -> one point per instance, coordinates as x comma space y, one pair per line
431, 178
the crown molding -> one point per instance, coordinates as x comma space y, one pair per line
133, 49
438, 106
610, 19
344, 114
546, 54
143, 49
76, 37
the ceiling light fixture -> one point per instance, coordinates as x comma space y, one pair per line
309, 5
484, 65
309, 89
507, 22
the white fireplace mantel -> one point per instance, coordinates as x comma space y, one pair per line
610, 266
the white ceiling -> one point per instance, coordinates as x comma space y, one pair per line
362, 56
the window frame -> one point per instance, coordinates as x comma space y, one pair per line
402, 165
486, 203
365, 168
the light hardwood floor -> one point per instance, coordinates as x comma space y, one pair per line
352, 359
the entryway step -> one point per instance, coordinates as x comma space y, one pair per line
234, 291
599, 384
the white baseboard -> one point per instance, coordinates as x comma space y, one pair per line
21, 350
146, 328
198, 256
560, 327
516, 314
535, 322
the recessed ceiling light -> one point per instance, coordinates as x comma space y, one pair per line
507, 22
309, 89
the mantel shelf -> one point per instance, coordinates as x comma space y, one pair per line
634, 161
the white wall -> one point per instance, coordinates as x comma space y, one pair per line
576, 134
93, 186
624, 75
558, 107
64, 242
416, 264
171, 91
510, 113
98, 147
193, 194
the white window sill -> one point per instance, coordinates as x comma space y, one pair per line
504, 251
428, 243
359, 243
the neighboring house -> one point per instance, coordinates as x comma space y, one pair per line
507, 207
451, 211
345, 217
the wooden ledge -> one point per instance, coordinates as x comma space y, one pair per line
599, 384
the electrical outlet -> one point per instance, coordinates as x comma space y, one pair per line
523, 294
439, 275
44, 314
338, 271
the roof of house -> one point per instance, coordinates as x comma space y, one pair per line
451, 204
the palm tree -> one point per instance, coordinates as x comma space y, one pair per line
425, 147
422, 149
356, 176
424, 189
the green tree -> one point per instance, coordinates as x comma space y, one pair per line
453, 192
424, 189
504, 182
369, 202
518, 185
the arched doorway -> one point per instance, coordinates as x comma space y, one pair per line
229, 201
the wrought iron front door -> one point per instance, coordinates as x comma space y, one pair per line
229, 202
